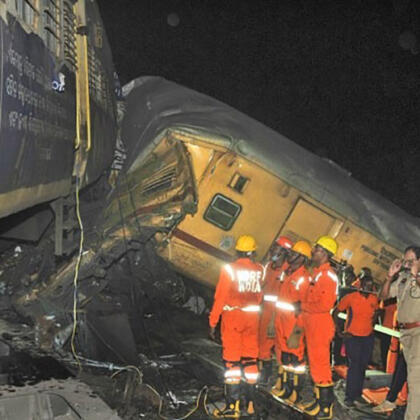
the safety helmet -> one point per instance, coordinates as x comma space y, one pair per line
302, 247
328, 243
246, 243
284, 242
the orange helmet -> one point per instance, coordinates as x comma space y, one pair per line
302, 247
284, 242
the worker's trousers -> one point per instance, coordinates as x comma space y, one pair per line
359, 351
319, 332
266, 337
410, 340
239, 335
285, 322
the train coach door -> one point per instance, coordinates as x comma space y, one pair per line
307, 222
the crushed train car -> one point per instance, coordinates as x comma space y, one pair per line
205, 173
197, 175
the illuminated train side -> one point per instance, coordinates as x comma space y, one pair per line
58, 108
204, 173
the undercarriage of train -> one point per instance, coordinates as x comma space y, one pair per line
100, 325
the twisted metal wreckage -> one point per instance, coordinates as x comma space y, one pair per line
116, 310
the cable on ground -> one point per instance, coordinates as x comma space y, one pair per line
76, 276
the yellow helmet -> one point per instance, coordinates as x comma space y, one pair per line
246, 243
328, 244
302, 247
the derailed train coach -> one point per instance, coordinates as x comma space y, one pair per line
205, 173
57, 108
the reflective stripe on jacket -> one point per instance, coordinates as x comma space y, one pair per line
321, 293
239, 287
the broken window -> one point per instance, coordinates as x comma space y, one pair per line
222, 212
238, 183
162, 182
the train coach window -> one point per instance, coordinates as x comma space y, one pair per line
52, 26
238, 183
27, 10
69, 32
222, 212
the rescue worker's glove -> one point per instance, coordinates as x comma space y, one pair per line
298, 308
294, 338
212, 333
271, 330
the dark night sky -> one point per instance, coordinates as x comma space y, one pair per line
334, 76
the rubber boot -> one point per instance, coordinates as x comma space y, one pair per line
278, 386
249, 398
286, 388
266, 367
232, 408
326, 402
287, 385
310, 404
297, 384
322, 409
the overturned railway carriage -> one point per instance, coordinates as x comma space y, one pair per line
57, 101
207, 173
198, 174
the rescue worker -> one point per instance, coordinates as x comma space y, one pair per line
388, 308
278, 254
291, 360
405, 279
237, 302
348, 278
318, 324
362, 307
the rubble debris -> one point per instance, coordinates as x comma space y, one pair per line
195, 304
53, 400
114, 332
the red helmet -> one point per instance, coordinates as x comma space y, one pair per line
284, 242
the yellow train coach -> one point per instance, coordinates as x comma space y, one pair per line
204, 173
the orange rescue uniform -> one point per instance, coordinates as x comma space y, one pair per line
317, 304
266, 340
286, 319
237, 301
360, 312
389, 307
